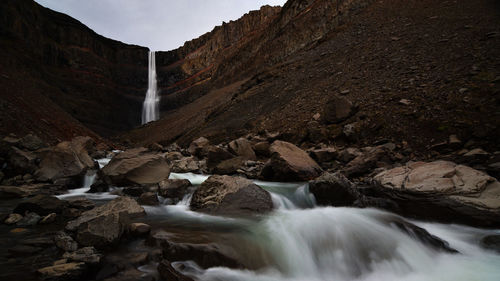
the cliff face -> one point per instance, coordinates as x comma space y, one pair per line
195, 63
408, 80
98, 81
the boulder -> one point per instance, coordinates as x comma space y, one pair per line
136, 167
42, 205
66, 159
262, 149
29, 219
226, 195
105, 224
86, 255
289, 163
65, 242
337, 109
334, 189
444, 191
173, 188
216, 155
185, 165
21, 162
229, 166
323, 155
365, 162
148, 198
242, 148
31, 142
196, 147
10, 192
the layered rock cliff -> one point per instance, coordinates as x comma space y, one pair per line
51, 62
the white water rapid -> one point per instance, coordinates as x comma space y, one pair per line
300, 241
150, 107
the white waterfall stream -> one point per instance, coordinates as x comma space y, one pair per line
150, 107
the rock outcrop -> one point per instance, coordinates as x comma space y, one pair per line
226, 195
444, 191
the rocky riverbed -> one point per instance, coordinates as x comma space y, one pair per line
270, 210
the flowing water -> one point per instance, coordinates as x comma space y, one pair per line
150, 107
300, 241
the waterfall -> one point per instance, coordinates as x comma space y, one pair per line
150, 107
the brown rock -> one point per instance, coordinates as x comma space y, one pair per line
136, 166
173, 188
242, 148
337, 109
167, 272
139, 229
216, 155
333, 189
262, 149
289, 163
196, 147
42, 205
148, 198
67, 159
65, 271
226, 195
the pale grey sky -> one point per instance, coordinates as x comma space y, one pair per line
157, 24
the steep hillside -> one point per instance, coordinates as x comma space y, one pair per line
49, 57
416, 72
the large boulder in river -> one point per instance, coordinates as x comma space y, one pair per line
136, 166
444, 191
289, 163
226, 195
196, 147
334, 189
105, 224
66, 159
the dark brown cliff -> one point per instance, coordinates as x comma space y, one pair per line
48, 57
415, 72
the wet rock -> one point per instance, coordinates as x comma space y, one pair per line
105, 224
196, 147
81, 204
99, 186
136, 167
491, 242
86, 255
65, 160
444, 191
423, 236
167, 272
139, 229
173, 188
148, 198
226, 195
289, 163
205, 255
216, 155
333, 189
65, 242
41, 204
337, 109
242, 148
262, 149
13, 218
29, 219
65, 271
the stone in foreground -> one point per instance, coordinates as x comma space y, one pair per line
226, 195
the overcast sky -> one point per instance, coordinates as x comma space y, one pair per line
157, 24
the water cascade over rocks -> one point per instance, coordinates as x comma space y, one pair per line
150, 107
